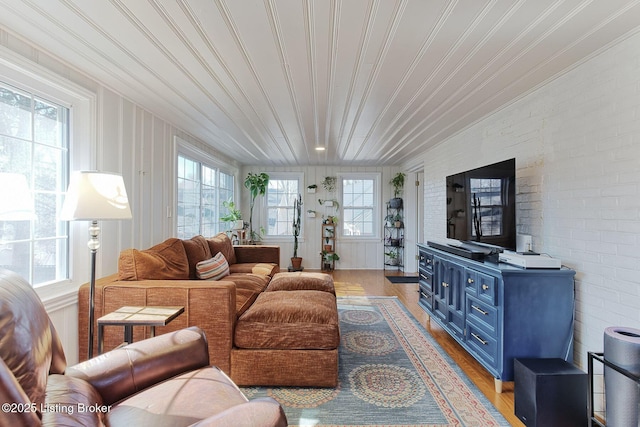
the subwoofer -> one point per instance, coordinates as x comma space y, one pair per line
550, 393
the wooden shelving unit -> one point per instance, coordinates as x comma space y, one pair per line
327, 261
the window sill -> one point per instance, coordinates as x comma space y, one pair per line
56, 295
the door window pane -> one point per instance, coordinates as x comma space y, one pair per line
281, 195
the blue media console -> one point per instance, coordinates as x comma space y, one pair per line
498, 312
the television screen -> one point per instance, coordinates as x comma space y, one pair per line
481, 205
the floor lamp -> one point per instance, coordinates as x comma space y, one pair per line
94, 196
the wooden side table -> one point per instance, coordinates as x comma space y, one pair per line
136, 316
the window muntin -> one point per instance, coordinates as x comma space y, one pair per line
359, 204
280, 197
34, 142
201, 191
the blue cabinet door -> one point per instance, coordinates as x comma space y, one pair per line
448, 296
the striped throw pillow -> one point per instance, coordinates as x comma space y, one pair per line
213, 269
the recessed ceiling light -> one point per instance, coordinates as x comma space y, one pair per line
319, 148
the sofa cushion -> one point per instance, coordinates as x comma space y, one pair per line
221, 243
248, 287
290, 320
213, 269
167, 260
197, 249
263, 268
299, 281
179, 401
82, 403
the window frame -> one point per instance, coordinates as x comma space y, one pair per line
30, 142
376, 206
26, 75
183, 148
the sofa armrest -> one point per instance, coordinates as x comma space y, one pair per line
263, 412
209, 305
124, 371
257, 253
11, 393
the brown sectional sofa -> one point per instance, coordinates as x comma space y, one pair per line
259, 334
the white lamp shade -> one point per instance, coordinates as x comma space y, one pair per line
16, 203
95, 196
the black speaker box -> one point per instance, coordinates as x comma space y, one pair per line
550, 393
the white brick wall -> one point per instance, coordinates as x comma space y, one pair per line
576, 142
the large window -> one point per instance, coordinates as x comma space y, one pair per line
202, 189
282, 192
359, 205
34, 142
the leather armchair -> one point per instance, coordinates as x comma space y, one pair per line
161, 381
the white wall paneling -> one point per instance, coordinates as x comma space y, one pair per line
354, 253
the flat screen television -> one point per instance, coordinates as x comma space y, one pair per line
481, 205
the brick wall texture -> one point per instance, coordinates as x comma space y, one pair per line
576, 141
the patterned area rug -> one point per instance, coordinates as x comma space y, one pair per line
392, 373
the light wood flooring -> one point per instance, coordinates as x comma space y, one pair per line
373, 282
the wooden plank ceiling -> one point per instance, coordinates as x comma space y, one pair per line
372, 81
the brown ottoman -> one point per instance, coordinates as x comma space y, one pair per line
300, 281
288, 338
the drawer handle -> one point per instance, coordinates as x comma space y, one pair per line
479, 309
445, 285
424, 295
422, 276
470, 280
485, 287
483, 342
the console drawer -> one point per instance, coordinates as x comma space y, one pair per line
425, 278
483, 315
425, 261
425, 298
485, 346
481, 285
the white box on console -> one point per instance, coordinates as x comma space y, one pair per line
529, 261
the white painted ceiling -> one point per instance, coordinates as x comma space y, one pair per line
374, 81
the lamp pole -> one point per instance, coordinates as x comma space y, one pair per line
94, 245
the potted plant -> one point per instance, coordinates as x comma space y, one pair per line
328, 258
311, 213
388, 221
329, 183
398, 184
257, 186
330, 219
233, 216
393, 256
397, 220
296, 261
311, 188
329, 202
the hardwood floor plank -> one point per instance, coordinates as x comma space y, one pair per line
374, 283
